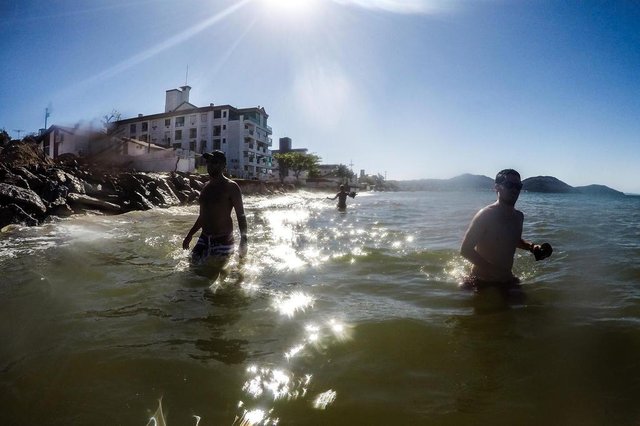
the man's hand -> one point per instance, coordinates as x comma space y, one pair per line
542, 251
186, 242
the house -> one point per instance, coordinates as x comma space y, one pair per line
133, 154
112, 151
242, 133
58, 140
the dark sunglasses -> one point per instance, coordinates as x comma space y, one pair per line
511, 185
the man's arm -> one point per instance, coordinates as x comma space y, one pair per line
238, 206
526, 245
196, 226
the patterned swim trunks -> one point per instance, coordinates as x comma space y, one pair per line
217, 248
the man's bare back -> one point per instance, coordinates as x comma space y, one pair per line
495, 233
217, 199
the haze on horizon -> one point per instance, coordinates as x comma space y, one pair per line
408, 88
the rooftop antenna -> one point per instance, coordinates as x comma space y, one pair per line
47, 113
186, 77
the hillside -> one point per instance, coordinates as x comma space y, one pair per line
469, 182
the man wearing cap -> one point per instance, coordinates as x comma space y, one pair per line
493, 236
216, 200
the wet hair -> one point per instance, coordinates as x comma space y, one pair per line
502, 175
216, 156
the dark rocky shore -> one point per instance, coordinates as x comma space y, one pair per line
34, 188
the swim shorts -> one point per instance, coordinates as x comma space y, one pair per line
476, 284
218, 248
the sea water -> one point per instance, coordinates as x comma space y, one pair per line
335, 318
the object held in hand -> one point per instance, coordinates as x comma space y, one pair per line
542, 251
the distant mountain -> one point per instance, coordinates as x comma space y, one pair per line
547, 184
598, 190
469, 182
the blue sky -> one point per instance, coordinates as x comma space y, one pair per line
411, 88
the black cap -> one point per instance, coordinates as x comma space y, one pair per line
216, 156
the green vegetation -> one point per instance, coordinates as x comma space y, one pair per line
297, 162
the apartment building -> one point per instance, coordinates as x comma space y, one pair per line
242, 133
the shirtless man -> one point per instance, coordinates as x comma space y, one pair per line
217, 198
493, 236
342, 197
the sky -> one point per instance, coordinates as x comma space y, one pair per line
408, 89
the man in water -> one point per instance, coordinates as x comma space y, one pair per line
493, 236
216, 200
342, 197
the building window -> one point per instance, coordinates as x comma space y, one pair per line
145, 126
178, 135
132, 128
193, 133
167, 122
216, 130
143, 138
224, 114
216, 113
179, 121
224, 127
203, 118
192, 146
224, 140
177, 145
216, 144
192, 119
203, 146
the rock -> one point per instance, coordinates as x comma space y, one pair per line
161, 191
61, 210
14, 214
139, 202
35, 182
84, 201
28, 200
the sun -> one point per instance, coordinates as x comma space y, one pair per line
291, 8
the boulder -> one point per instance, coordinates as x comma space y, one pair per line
85, 201
28, 200
14, 214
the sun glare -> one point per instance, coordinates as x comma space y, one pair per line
292, 8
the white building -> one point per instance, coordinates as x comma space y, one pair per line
58, 140
242, 133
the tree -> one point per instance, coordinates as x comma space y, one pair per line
4, 137
297, 162
344, 173
109, 122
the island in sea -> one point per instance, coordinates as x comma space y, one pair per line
470, 182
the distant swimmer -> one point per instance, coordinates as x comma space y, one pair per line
492, 238
342, 197
218, 197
